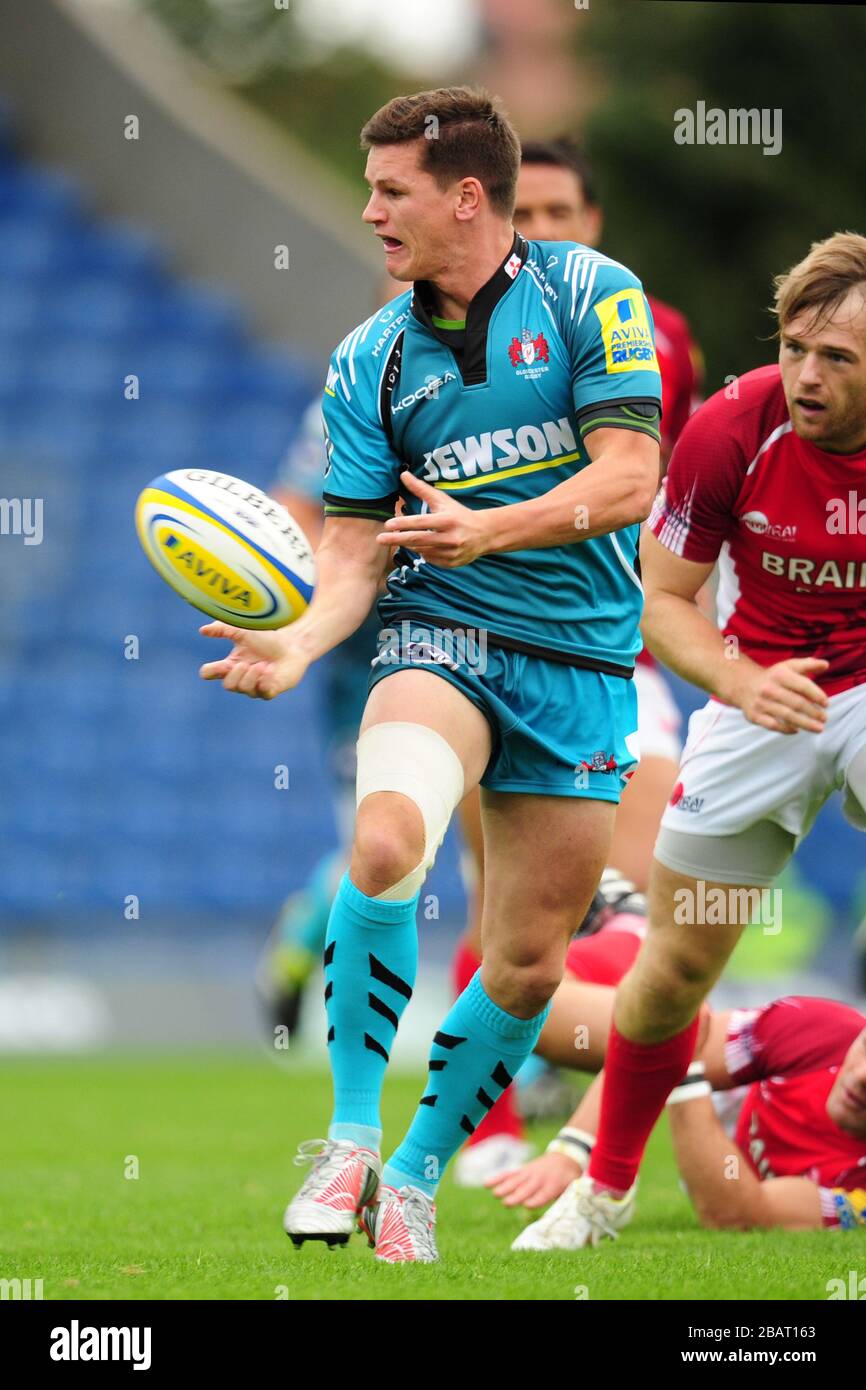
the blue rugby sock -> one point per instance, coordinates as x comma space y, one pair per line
477, 1053
371, 959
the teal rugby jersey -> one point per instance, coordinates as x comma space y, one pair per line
494, 414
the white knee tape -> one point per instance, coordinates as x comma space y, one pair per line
420, 764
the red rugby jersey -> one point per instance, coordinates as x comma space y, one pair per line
681, 366
786, 522
791, 1050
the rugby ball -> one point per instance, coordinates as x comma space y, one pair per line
225, 547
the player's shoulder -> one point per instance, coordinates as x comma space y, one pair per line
799, 1010
748, 413
572, 274
802, 1033
358, 359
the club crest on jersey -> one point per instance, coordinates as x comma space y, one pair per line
529, 353
600, 762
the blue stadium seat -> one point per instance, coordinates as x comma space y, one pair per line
131, 776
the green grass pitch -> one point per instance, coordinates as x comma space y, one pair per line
213, 1138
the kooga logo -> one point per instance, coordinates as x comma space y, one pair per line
76, 1343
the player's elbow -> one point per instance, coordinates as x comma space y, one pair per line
716, 1215
639, 495
645, 494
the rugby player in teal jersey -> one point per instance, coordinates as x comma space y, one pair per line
523, 447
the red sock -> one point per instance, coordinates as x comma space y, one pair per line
502, 1118
638, 1078
463, 967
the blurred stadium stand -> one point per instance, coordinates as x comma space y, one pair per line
121, 775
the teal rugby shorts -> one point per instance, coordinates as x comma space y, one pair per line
557, 730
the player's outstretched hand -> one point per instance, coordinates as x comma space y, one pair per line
260, 664
536, 1183
448, 534
783, 698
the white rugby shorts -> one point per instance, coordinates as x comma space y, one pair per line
733, 773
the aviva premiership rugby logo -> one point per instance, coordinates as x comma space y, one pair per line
529, 353
626, 333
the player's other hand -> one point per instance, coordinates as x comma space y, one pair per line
783, 698
447, 534
260, 664
536, 1183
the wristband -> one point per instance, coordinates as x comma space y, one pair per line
574, 1143
693, 1085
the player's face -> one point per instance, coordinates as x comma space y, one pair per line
413, 217
551, 207
824, 376
846, 1103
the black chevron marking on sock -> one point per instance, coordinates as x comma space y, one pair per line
331, 1033
429, 1100
373, 1046
448, 1040
329, 990
436, 1065
501, 1076
485, 1099
382, 1009
466, 1123
329, 953
385, 976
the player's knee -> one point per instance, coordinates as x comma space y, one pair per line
661, 994
389, 842
689, 973
409, 782
528, 983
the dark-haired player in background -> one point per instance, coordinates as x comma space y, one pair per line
768, 482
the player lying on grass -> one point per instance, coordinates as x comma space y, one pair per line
511, 402
791, 1152
769, 480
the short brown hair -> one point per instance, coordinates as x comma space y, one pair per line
822, 279
467, 135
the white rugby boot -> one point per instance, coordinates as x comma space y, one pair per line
583, 1215
498, 1153
400, 1224
343, 1178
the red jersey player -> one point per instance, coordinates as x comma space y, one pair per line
768, 479
797, 1068
801, 1132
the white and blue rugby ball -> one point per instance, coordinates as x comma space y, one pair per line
225, 547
